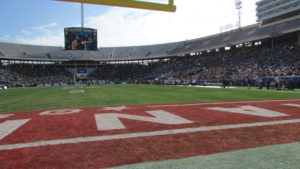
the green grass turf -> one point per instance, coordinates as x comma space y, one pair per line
21, 99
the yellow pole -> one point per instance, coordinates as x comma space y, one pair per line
131, 4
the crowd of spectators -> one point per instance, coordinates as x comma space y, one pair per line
28, 75
242, 63
253, 63
236, 64
120, 72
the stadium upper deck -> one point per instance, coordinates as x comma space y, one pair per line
250, 33
272, 10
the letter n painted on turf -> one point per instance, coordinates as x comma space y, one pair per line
250, 110
111, 121
10, 126
293, 105
3, 116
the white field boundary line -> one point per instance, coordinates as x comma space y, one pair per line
270, 90
245, 89
142, 134
212, 87
229, 102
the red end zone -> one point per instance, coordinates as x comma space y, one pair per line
110, 136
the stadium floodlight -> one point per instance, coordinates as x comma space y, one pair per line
170, 7
238, 6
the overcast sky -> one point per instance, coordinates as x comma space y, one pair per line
41, 22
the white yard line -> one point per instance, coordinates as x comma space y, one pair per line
142, 134
77, 91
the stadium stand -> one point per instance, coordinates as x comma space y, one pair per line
10, 50
253, 53
28, 75
252, 62
247, 34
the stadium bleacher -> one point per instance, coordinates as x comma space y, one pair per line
254, 63
194, 60
10, 50
246, 34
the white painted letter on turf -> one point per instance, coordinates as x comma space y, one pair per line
60, 112
110, 121
10, 126
293, 105
250, 110
3, 116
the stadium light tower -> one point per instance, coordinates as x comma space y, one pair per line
82, 15
238, 6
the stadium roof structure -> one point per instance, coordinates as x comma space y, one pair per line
247, 34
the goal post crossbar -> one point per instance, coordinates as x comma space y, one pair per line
170, 7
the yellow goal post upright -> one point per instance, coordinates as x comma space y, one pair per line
170, 7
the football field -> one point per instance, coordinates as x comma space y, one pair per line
145, 126
21, 99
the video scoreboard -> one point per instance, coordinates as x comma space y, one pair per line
78, 38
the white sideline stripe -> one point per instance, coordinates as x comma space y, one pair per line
142, 134
214, 103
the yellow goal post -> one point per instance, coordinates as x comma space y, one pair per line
170, 7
